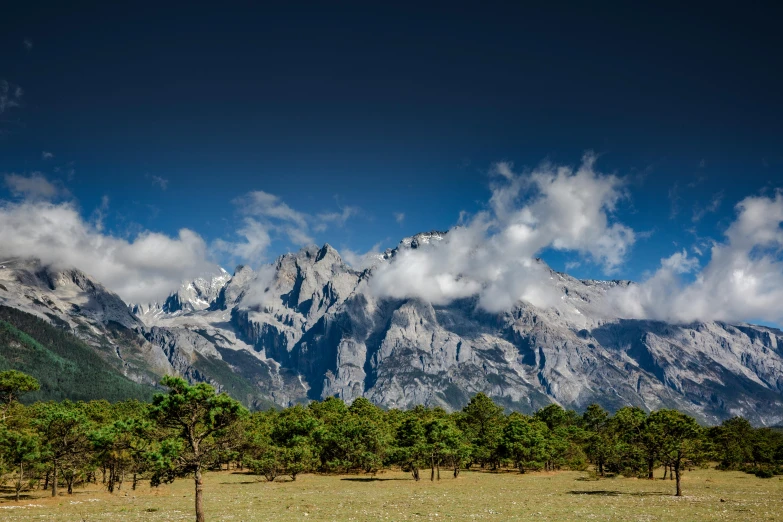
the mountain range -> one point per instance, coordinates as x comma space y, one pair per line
309, 326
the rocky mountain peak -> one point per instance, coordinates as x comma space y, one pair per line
415, 241
423, 238
65, 293
307, 327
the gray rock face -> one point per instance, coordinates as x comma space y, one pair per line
322, 323
192, 296
71, 300
308, 327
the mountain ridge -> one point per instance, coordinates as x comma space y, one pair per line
308, 326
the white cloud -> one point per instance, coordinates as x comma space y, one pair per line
257, 292
267, 215
699, 212
264, 214
359, 261
46, 155
260, 203
255, 242
33, 187
493, 255
680, 263
146, 268
163, 183
674, 200
337, 218
399, 217
743, 280
10, 96
28, 44
99, 214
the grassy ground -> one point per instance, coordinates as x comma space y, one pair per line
394, 496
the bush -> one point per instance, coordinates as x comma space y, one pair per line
764, 473
267, 465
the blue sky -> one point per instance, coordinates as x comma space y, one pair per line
159, 118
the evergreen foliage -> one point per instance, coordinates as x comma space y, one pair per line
192, 429
65, 367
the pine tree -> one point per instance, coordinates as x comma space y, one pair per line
197, 417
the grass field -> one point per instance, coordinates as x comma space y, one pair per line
394, 496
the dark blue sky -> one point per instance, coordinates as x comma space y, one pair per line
392, 109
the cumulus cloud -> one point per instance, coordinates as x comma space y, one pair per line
743, 280
34, 187
255, 241
494, 254
680, 263
146, 268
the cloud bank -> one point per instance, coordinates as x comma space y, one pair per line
34, 187
743, 280
146, 268
493, 254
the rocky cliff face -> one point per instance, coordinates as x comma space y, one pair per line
314, 317
308, 327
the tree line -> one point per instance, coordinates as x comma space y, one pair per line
192, 429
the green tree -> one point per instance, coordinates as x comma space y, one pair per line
482, 422
63, 429
123, 446
626, 428
293, 433
14, 384
262, 455
733, 441
557, 447
197, 416
767, 447
411, 447
682, 441
367, 434
652, 443
598, 444
445, 443
524, 442
330, 438
554, 416
20, 449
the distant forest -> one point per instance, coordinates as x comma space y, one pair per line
64, 365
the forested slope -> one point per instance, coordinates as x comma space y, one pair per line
65, 366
